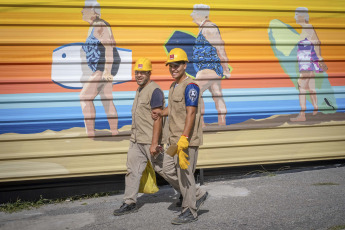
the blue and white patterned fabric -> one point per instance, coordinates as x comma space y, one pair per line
205, 56
93, 53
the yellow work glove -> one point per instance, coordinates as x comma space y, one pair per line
183, 143
182, 156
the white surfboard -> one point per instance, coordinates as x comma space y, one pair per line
70, 69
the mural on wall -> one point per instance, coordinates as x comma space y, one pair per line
300, 57
95, 66
259, 66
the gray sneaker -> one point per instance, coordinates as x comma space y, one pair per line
184, 218
125, 209
201, 201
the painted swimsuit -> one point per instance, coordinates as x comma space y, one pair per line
306, 56
95, 55
205, 56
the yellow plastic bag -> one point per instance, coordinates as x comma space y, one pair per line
148, 182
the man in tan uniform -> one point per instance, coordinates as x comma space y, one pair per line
146, 135
185, 131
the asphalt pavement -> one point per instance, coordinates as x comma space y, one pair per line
312, 198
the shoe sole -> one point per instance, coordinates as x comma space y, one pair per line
124, 213
179, 223
208, 196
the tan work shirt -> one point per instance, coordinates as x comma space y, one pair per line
142, 123
178, 114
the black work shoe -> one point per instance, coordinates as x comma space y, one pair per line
184, 218
125, 209
201, 201
179, 203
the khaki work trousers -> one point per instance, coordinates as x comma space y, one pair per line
190, 191
137, 157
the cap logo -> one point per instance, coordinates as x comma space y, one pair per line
140, 66
172, 56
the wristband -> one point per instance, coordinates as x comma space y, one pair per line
185, 136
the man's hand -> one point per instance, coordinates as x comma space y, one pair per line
155, 114
153, 149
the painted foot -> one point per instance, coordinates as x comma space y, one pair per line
91, 134
298, 118
114, 132
221, 121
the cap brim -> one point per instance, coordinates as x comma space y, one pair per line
175, 62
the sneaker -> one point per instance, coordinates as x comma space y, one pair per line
184, 218
179, 203
201, 201
125, 209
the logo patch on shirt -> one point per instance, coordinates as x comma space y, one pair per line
192, 94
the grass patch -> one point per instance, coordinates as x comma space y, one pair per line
338, 227
325, 183
265, 172
20, 205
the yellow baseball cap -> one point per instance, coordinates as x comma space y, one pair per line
143, 64
176, 55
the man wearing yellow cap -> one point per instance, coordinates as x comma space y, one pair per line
146, 135
185, 132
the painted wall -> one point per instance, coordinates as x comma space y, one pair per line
252, 97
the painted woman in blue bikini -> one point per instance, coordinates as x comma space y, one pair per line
210, 60
103, 59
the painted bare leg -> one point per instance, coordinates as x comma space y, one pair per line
312, 92
218, 99
87, 95
313, 98
205, 79
89, 116
203, 84
202, 103
302, 101
109, 107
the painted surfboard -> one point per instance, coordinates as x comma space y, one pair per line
184, 40
70, 69
284, 40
